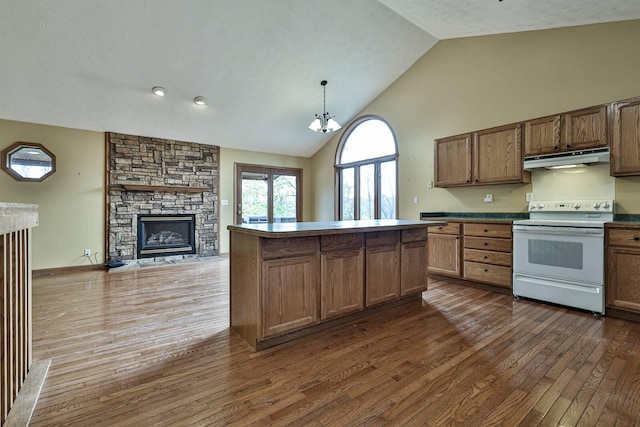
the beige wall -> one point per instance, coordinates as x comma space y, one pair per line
70, 202
229, 157
475, 83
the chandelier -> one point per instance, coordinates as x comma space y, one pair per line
324, 122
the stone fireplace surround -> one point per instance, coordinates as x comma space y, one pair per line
160, 177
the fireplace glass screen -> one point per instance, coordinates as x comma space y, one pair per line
164, 235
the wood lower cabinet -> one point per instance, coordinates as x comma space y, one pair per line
625, 142
488, 253
623, 269
289, 294
443, 250
341, 275
382, 267
413, 261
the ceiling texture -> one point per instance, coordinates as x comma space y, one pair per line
91, 64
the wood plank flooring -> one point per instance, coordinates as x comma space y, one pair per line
152, 347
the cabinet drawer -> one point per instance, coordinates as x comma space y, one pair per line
283, 248
488, 230
488, 257
338, 242
500, 245
494, 274
630, 238
450, 228
413, 235
381, 238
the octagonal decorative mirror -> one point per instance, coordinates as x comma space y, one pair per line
28, 161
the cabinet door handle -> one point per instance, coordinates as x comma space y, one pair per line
486, 231
485, 257
468, 181
636, 238
485, 243
555, 147
486, 271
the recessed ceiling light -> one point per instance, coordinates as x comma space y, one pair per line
160, 91
200, 100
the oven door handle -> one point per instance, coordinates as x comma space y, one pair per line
570, 231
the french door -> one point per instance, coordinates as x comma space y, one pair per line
266, 194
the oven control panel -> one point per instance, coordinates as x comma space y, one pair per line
572, 206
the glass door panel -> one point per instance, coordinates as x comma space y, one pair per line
284, 198
266, 195
255, 198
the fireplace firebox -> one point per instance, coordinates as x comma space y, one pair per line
165, 235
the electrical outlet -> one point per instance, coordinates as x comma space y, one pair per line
528, 197
488, 198
415, 200
87, 252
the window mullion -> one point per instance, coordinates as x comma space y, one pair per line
356, 192
377, 187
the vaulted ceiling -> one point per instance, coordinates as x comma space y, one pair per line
91, 64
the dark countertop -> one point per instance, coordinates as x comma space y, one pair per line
484, 217
303, 229
626, 218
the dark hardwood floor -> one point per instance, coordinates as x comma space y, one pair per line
152, 347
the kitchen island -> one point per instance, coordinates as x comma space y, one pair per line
292, 279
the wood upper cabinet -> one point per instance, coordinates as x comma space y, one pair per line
452, 165
542, 136
586, 128
497, 155
623, 269
289, 294
575, 130
625, 143
443, 250
341, 275
382, 267
490, 156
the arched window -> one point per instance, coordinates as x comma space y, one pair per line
366, 170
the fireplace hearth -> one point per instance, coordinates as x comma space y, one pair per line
165, 235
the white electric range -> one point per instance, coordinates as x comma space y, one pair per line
558, 254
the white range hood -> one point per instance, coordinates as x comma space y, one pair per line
567, 159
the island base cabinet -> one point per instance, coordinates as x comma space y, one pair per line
623, 281
286, 284
382, 274
413, 267
342, 283
288, 294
